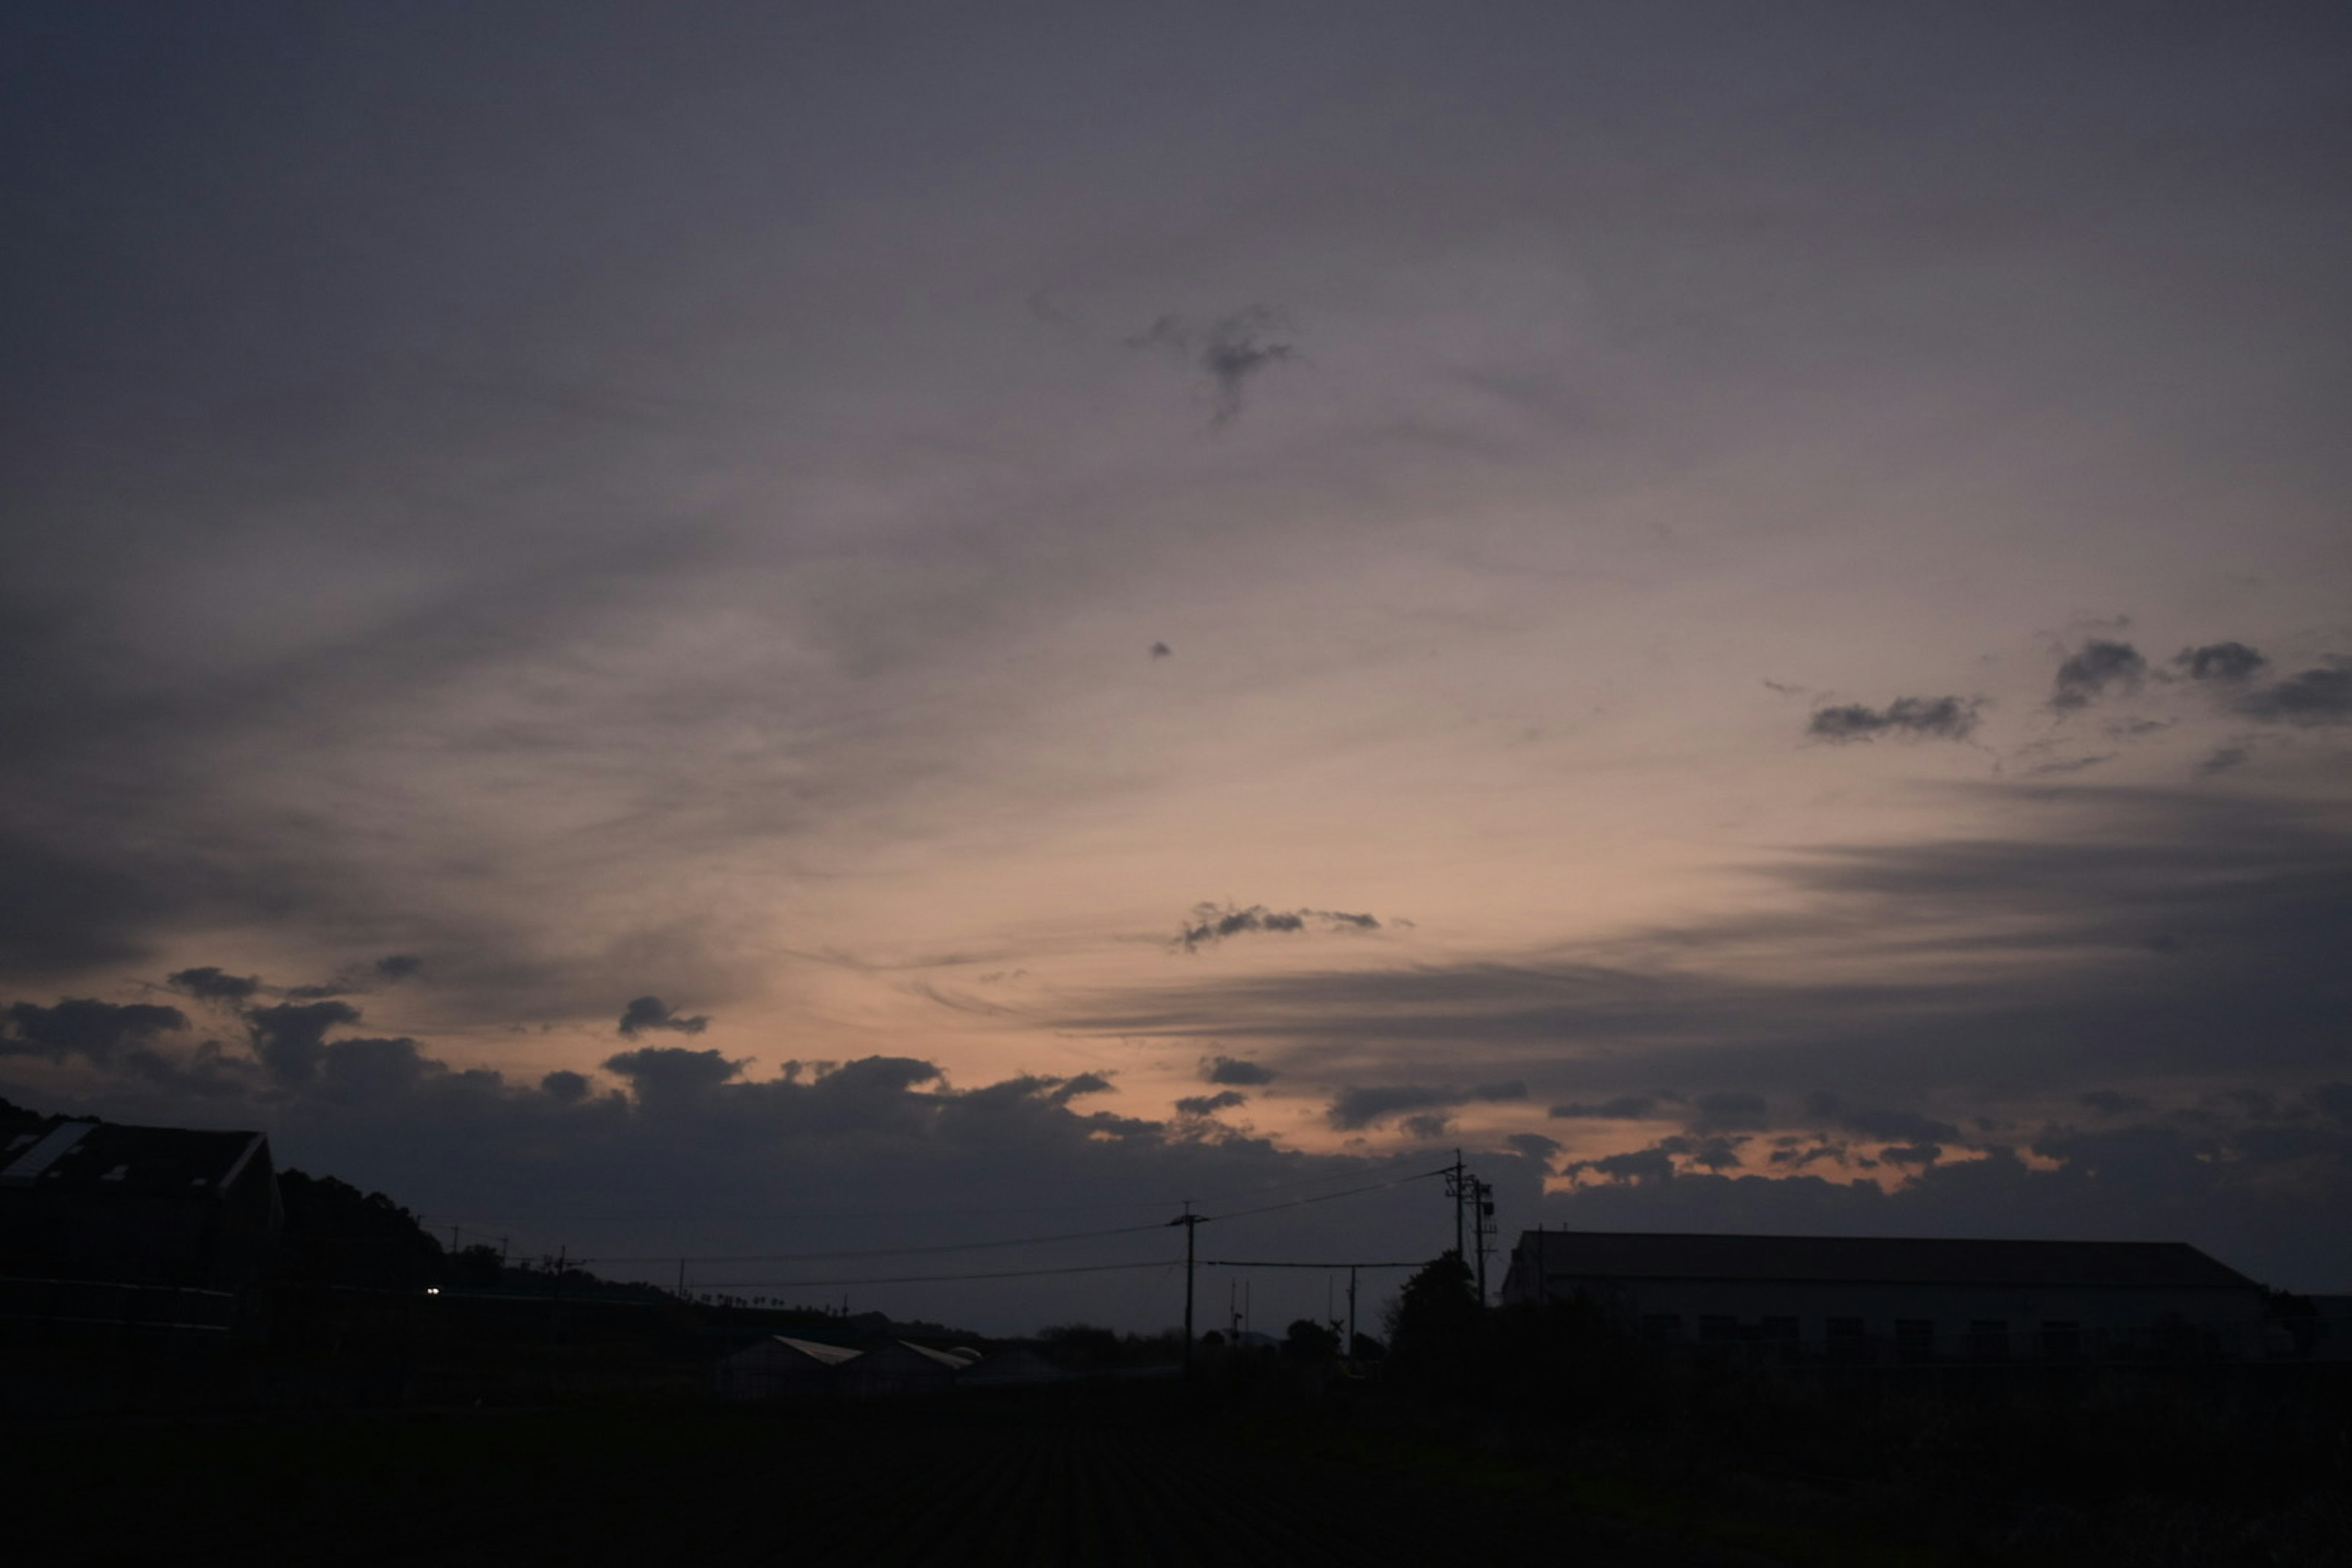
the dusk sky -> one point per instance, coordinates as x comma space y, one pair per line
747, 629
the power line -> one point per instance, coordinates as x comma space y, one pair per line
873, 1251
1234, 1263
930, 1279
1326, 1197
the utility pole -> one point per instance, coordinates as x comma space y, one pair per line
681, 1279
1192, 1223
1482, 1194
1352, 1335
1456, 1190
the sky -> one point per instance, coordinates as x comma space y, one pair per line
745, 631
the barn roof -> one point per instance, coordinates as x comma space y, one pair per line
831, 1355
1856, 1259
107, 1157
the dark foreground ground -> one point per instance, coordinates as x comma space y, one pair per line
856, 1486
2219, 1471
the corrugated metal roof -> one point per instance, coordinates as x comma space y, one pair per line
831, 1355
149, 1162
1855, 1259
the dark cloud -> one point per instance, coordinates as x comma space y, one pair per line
1898, 972
2322, 696
1212, 923
663, 1072
1209, 1104
1729, 1110
2094, 670
1161, 650
2109, 1102
645, 1012
1898, 1126
1085, 1083
1426, 1125
1909, 718
566, 1088
2068, 765
398, 966
1639, 1165
1230, 349
1911, 1154
211, 985
1354, 1108
2227, 661
1234, 1070
290, 1039
2222, 759
78, 1023
1624, 1108
1534, 1146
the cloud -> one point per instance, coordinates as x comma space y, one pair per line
1897, 1125
2097, 668
1233, 1070
1365, 1107
662, 1072
1534, 1146
645, 1012
2021, 957
78, 1023
1209, 1104
565, 1087
1212, 923
290, 1039
1215, 925
2068, 765
2313, 697
1908, 717
1085, 1083
1652, 1165
1729, 1110
211, 985
2224, 661
1231, 350
1161, 650
1624, 1108
396, 967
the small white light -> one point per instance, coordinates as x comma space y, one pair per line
433, 1290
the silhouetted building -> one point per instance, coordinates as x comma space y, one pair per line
781, 1367
1872, 1300
138, 1206
899, 1368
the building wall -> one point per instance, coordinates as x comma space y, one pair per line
1885, 1322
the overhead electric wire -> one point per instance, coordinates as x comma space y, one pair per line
1233, 1263
1326, 1197
876, 1251
929, 1278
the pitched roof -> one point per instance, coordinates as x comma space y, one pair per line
1857, 1259
831, 1355
106, 1157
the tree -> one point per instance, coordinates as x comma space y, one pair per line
1311, 1341
1436, 1324
335, 1235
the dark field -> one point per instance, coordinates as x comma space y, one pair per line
849, 1487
